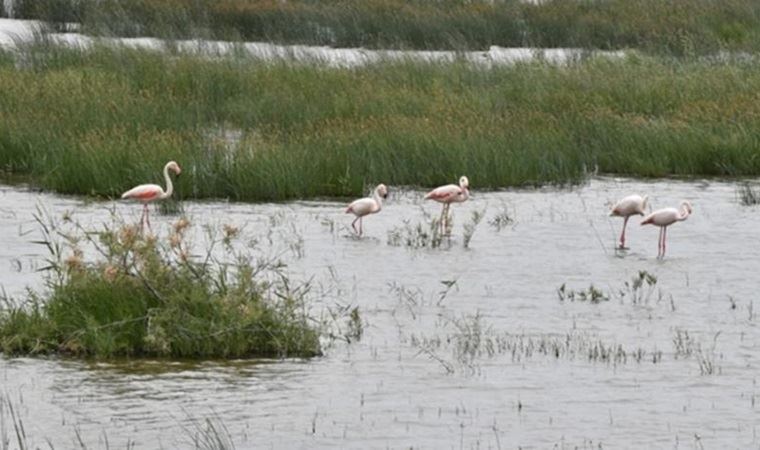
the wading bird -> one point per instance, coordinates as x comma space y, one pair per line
147, 193
665, 217
627, 207
367, 205
451, 193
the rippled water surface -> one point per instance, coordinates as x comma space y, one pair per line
471, 367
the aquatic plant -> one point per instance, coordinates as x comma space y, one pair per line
502, 218
115, 291
425, 234
471, 226
592, 294
469, 339
686, 346
640, 289
748, 196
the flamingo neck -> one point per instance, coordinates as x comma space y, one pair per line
169, 185
684, 213
378, 200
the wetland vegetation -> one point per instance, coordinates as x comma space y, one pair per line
669, 27
100, 120
156, 296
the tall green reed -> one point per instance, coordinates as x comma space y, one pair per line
97, 122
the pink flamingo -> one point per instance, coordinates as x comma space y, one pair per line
627, 207
451, 193
147, 193
367, 205
665, 217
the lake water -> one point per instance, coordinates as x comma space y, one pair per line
496, 361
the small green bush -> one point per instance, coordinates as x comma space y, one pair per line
147, 296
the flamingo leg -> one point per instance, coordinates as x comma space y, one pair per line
353, 225
446, 220
622, 234
664, 238
659, 243
147, 217
361, 228
142, 218
441, 220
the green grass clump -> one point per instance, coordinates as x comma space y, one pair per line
672, 26
100, 121
147, 296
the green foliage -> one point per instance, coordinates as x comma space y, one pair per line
673, 27
592, 294
98, 122
146, 296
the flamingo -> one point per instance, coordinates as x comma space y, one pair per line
367, 205
147, 193
627, 207
451, 193
665, 217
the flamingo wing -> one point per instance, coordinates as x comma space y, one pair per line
444, 194
627, 206
661, 217
144, 192
362, 207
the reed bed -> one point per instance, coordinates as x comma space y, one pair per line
673, 27
101, 120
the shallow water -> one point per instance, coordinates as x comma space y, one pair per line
14, 32
389, 390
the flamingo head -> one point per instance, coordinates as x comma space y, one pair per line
174, 167
686, 205
382, 190
464, 183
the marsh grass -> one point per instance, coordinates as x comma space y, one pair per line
502, 219
748, 195
591, 295
639, 291
425, 234
469, 339
113, 291
687, 347
471, 226
99, 121
672, 27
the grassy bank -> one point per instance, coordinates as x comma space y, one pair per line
679, 26
101, 121
148, 296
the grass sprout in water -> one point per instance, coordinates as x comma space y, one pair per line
685, 346
592, 294
425, 234
639, 291
748, 196
502, 219
471, 226
469, 339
